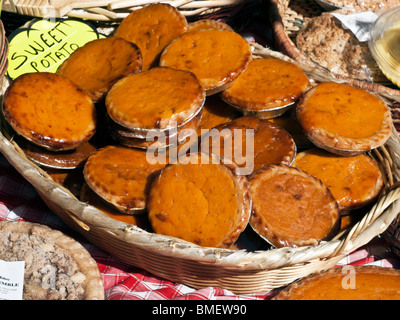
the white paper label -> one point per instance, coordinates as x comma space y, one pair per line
11, 279
358, 23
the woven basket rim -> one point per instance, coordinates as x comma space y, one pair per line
111, 10
89, 218
277, 14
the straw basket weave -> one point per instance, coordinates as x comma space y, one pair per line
240, 271
113, 10
287, 18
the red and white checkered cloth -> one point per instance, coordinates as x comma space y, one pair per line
19, 201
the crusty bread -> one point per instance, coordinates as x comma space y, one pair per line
324, 40
370, 5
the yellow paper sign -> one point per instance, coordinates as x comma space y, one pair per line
44, 44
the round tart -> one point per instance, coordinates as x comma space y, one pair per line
100, 63
216, 57
267, 87
203, 203
346, 283
56, 266
215, 112
160, 140
157, 99
88, 196
269, 143
49, 110
208, 24
122, 176
291, 208
151, 29
343, 119
68, 159
354, 181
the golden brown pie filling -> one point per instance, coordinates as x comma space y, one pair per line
216, 57
121, 176
155, 99
97, 65
202, 203
344, 119
50, 111
267, 83
347, 283
151, 29
354, 180
291, 207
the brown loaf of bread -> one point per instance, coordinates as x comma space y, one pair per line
325, 41
362, 5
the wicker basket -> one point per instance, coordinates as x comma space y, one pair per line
392, 236
240, 271
114, 10
3, 51
287, 18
